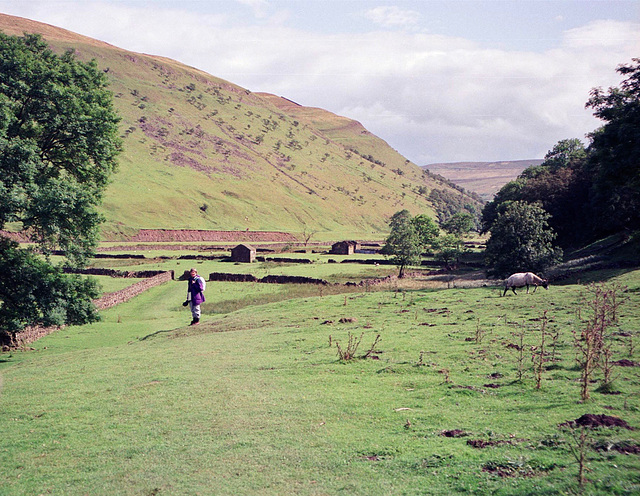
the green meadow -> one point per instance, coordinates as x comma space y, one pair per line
255, 400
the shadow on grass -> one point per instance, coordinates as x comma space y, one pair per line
157, 333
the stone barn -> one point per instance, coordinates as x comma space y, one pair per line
243, 253
344, 247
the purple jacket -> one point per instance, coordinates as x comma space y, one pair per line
195, 290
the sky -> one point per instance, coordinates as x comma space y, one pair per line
440, 81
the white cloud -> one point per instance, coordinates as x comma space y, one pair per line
258, 6
392, 16
434, 98
604, 34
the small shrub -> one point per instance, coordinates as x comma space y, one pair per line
349, 353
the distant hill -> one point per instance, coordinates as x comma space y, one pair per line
203, 153
484, 178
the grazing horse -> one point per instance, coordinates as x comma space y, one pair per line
522, 279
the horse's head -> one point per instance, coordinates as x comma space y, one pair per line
545, 283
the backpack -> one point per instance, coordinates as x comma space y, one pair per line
204, 283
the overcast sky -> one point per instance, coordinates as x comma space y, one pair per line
440, 81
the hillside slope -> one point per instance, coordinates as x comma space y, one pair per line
204, 153
484, 178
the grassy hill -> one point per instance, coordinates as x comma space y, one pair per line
204, 153
484, 178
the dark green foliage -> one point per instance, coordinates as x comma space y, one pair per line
594, 192
521, 240
558, 185
33, 292
614, 154
426, 228
459, 223
403, 245
447, 203
58, 144
58, 148
449, 248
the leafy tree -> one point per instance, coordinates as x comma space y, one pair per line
449, 248
58, 144
589, 192
614, 153
403, 244
521, 240
459, 224
33, 292
58, 147
508, 193
426, 228
559, 185
565, 153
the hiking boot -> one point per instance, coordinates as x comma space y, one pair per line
195, 322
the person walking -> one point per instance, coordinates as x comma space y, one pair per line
195, 295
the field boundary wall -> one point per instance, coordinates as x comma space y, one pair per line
33, 333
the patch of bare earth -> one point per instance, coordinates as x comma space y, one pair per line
593, 421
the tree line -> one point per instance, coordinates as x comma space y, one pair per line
579, 194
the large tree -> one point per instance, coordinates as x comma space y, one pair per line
404, 244
459, 224
614, 153
58, 147
592, 192
427, 229
34, 292
559, 186
58, 144
521, 240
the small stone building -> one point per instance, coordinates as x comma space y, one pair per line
344, 247
243, 253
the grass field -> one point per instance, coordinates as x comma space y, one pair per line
256, 401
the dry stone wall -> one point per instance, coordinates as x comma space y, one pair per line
117, 273
109, 300
191, 235
275, 279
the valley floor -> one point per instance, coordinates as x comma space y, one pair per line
441, 397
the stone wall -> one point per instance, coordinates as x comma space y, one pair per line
109, 300
274, 279
193, 235
292, 280
284, 260
221, 276
117, 273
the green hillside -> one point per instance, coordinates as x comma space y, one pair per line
203, 153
